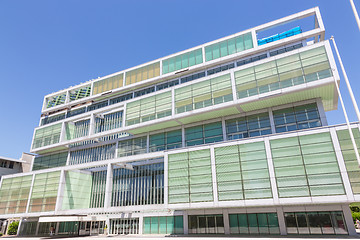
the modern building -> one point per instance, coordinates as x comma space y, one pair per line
229, 137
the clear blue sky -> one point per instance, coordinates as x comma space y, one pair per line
49, 45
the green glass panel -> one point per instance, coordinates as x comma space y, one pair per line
154, 225
147, 225
179, 224
162, 225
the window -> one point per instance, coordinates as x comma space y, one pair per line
228, 47
203, 134
249, 126
306, 166
132, 147
50, 161
142, 73
296, 118
108, 84
182, 61
167, 140
206, 224
315, 223
164, 225
254, 223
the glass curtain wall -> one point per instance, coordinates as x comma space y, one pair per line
44, 192
306, 166
203, 134
248, 126
14, 194
348, 153
163, 225
50, 161
190, 177
142, 73
285, 72
47, 136
315, 223
77, 129
142, 186
295, 118
108, 84
254, 223
124, 226
228, 47
132, 147
149, 108
242, 172
108, 122
98, 189
79, 93
92, 154
203, 94
166, 140
206, 224
182, 61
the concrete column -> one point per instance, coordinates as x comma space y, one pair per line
60, 194
349, 220
223, 124
108, 186
321, 112
186, 222
18, 230
271, 170
37, 228
29, 197
342, 166
166, 179
213, 174
272, 122
281, 219
226, 221
141, 225
57, 228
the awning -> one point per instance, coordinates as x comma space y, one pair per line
71, 218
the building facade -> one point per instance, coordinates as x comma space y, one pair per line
229, 137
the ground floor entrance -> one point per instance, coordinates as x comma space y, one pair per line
279, 220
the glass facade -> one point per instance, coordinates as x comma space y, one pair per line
77, 129
92, 154
228, 47
14, 194
296, 118
182, 61
28, 228
79, 93
203, 94
149, 108
77, 190
202, 134
44, 192
349, 156
166, 140
55, 100
108, 122
248, 126
50, 161
142, 186
108, 84
190, 177
124, 226
47, 136
163, 225
254, 223
132, 147
97, 196
142, 73
284, 72
306, 166
242, 172
206, 224
315, 223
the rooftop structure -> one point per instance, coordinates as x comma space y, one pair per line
229, 137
